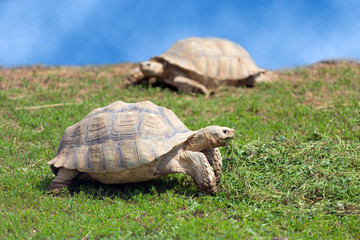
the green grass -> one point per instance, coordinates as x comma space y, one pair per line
293, 169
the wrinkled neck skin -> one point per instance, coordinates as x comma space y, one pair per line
200, 141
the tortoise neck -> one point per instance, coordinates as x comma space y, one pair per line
200, 141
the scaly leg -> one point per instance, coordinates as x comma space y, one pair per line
62, 180
188, 85
197, 166
213, 155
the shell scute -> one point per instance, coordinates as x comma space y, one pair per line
74, 135
111, 157
223, 67
154, 126
235, 69
82, 164
58, 160
69, 161
98, 127
126, 124
95, 158
146, 150
129, 153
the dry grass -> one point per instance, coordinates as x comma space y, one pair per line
42, 75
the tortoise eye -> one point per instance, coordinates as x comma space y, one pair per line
225, 131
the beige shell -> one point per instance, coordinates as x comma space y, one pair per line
213, 58
120, 136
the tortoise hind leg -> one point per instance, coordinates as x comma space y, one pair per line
62, 179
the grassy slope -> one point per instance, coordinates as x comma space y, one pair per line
293, 169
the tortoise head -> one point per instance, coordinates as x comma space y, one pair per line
152, 68
218, 136
134, 76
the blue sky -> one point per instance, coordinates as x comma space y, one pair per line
277, 34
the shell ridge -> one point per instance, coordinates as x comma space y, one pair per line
135, 109
194, 59
111, 125
75, 157
116, 116
86, 132
121, 110
130, 107
133, 136
229, 69
140, 122
171, 125
201, 54
87, 158
121, 157
97, 140
217, 67
123, 137
136, 154
102, 157
218, 58
167, 120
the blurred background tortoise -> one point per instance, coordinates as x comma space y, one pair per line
201, 64
135, 142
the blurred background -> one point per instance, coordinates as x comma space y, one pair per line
277, 34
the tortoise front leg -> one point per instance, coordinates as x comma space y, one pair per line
62, 180
213, 155
188, 85
197, 166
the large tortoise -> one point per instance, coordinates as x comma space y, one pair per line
200, 64
134, 142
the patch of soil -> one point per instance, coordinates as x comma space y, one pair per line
19, 77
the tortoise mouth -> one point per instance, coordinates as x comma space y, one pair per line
133, 77
226, 141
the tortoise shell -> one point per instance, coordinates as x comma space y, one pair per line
213, 58
120, 136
